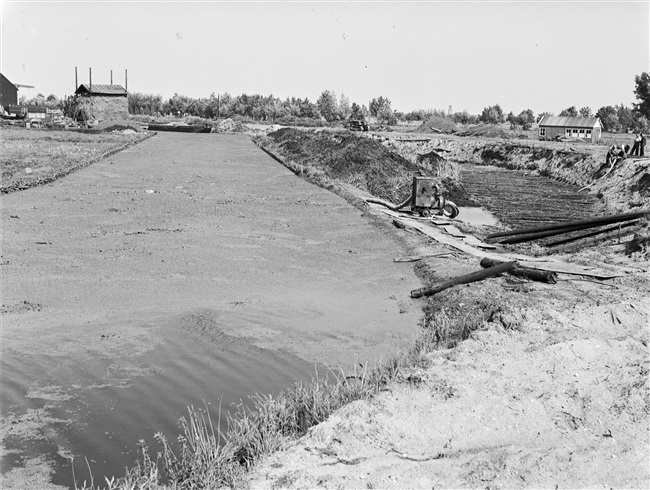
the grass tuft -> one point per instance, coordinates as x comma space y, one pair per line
211, 458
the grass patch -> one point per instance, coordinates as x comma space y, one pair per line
31, 158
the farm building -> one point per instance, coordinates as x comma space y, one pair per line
29, 111
584, 128
8, 92
101, 102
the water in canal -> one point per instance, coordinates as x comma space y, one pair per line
99, 409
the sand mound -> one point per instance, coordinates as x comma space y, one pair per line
230, 126
437, 124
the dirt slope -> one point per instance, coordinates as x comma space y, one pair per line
549, 389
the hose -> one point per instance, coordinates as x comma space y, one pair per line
390, 205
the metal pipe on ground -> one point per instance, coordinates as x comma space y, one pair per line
559, 231
593, 233
605, 220
467, 278
549, 277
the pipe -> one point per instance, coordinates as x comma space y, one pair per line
542, 234
549, 277
605, 220
593, 233
467, 278
390, 205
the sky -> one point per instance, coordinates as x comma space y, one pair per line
540, 55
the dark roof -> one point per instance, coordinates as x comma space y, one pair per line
100, 89
7, 80
569, 122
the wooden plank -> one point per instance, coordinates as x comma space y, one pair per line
473, 246
453, 231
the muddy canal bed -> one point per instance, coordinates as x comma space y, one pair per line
525, 199
185, 268
91, 413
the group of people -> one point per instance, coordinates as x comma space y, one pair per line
616, 154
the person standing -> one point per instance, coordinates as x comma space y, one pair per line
642, 144
636, 146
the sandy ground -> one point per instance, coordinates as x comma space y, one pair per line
199, 226
551, 392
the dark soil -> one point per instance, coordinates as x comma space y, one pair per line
357, 160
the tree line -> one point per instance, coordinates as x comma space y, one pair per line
332, 108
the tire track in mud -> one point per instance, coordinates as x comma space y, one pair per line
523, 199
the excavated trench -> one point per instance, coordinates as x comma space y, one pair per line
522, 199
522, 184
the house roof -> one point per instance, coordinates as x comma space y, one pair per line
8, 81
100, 89
569, 122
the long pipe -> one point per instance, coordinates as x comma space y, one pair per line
543, 234
593, 233
605, 220
467, 278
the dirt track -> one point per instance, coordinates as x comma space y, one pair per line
195, 226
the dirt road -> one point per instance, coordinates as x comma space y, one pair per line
204, 229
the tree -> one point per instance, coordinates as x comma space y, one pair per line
609, 117
464, 118
344, 106
380, 108
626, 118
492, 115
328, 106
526, 119
569, 112
309, 109
642, 92
586, 112
356, 112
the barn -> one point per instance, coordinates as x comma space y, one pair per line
101, 102
8, 92
581, 128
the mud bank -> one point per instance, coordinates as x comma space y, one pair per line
624, 186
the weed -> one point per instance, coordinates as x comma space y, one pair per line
211, 458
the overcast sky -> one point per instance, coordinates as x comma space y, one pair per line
543, 55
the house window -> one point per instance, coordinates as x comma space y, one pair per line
574, 133
588, 134
567, 132
542, 131
582, 133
